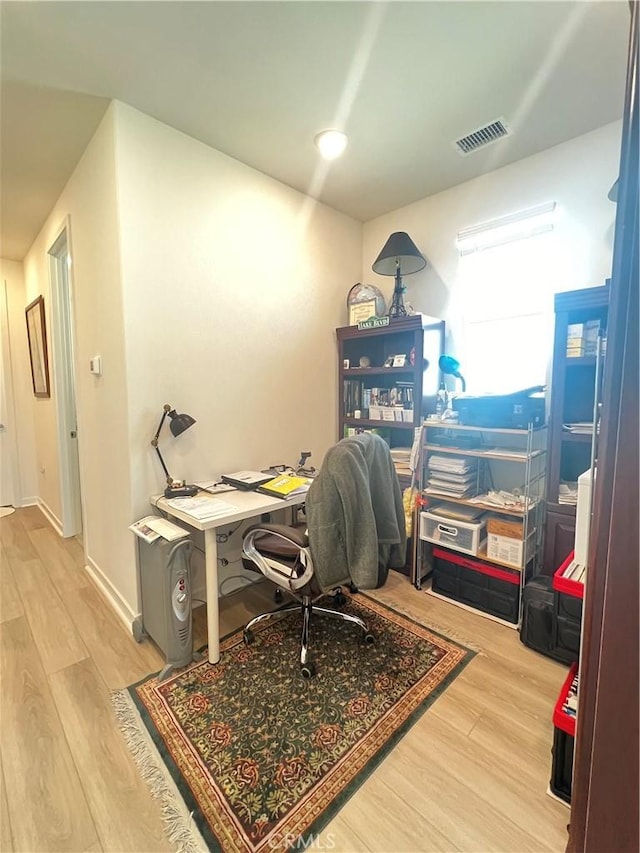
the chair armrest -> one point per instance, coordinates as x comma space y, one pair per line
296, 535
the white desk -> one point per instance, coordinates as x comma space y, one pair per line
246, 505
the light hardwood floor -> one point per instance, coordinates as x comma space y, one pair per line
470, 775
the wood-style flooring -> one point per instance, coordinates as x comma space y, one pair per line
470, 775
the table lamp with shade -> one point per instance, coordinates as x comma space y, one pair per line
399, 256
178, 424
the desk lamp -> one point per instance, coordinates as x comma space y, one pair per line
450, 366
179, 423
399, 255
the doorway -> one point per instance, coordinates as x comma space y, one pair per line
64, 383
9, 478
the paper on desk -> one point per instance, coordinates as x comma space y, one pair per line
202, 508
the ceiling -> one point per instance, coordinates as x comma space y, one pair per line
258, 80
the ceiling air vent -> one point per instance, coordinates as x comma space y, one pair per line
492, 132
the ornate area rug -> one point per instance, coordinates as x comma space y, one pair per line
248, 756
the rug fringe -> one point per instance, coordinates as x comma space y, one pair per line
179, 825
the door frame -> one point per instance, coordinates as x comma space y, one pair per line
64, 373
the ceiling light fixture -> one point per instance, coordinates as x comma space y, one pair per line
331, 143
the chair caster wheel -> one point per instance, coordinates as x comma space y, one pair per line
339, 598
277, 596
352, 587
248, 637
308, 670
369, 639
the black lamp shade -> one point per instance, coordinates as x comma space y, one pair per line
180, 423
399, 251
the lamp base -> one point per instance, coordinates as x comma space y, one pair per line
397, 309
181, 491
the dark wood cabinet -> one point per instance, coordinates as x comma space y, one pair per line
390, 400
575, 392
375, 394
560, 531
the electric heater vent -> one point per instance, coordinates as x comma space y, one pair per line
498, 129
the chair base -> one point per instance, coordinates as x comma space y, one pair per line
307, 606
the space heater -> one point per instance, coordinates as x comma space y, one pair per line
165, 590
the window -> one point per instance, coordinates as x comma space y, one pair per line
506, 288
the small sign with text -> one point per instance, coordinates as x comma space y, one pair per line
373, 323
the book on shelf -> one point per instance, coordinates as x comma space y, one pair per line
285, 485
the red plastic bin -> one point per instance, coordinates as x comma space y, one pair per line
561, 720
566, 585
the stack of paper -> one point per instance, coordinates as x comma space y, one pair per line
504, 499
153, 527
402, 460
568, 494
575, 572
201, 507
453, 476
579, 428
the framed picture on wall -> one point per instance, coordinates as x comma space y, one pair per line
37, 334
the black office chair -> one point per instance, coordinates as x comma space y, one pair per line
354, 532
283, 556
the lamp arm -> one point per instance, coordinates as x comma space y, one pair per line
154, 442
164, 467
166, 410
461, 378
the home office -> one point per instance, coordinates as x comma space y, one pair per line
204, 281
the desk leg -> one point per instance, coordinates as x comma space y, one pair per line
213, 613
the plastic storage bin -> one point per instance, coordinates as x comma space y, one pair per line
538, 627
483, 586
464, 536
564, 730
569, 595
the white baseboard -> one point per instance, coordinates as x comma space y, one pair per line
51, 517
117, 602
32, 501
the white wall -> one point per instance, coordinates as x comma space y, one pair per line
201, 283
234, 285
90, 202
577, 175
21, 416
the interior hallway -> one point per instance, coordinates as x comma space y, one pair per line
470, 775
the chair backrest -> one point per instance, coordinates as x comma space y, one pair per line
292, 568
355, 515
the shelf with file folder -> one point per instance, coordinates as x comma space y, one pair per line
363, 422
486, 507
353, 372
489, 453
366, 398
500, 472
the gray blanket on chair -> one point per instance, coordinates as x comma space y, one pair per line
355, 515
